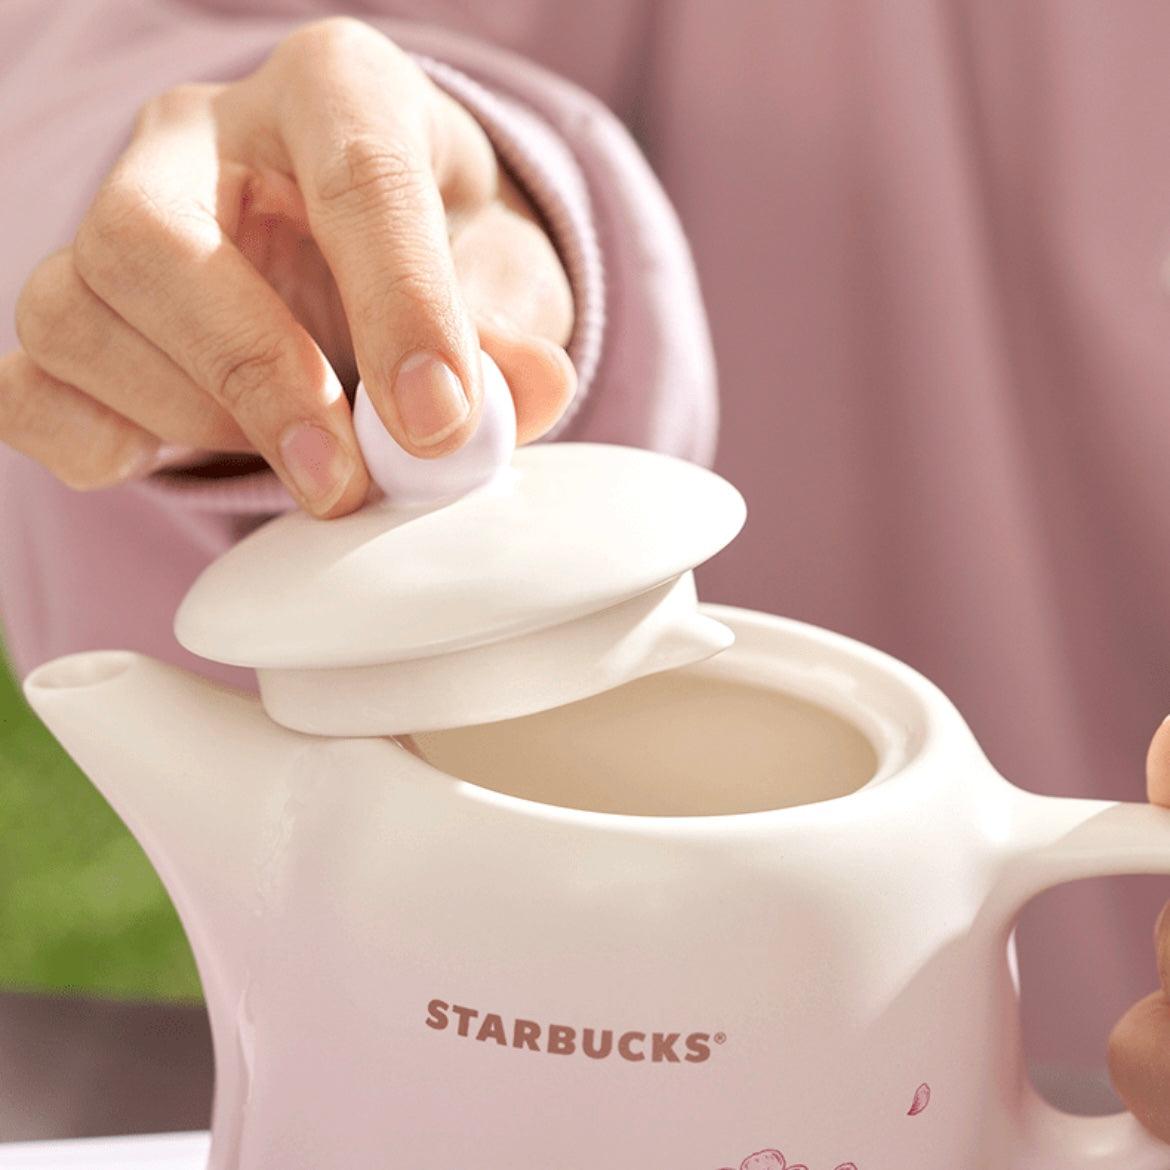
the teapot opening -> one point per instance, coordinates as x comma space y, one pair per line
688, 742
81, 670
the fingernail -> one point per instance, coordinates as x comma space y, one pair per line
430, 399
318, 465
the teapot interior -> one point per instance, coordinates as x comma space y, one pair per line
683, 743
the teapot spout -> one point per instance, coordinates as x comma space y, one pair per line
189, 766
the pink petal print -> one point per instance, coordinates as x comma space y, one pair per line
921, 1100
847, 1166
767, 1160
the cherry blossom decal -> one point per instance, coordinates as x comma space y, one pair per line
774, 1160
766, 1160
920, 1102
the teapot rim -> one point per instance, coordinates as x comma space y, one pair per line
907, 720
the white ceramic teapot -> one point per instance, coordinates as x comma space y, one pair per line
668, 885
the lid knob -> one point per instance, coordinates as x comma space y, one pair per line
406, 479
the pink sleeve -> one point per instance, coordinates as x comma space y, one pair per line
107, 569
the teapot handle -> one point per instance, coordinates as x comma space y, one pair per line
1064, 840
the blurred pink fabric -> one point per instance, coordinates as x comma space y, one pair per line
930, 237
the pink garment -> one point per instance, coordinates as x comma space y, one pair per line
930, 237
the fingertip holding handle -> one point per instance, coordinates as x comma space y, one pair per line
1063, 840
406, 479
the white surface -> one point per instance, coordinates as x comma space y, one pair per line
569, 529
166, 1152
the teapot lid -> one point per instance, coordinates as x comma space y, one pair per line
589, 545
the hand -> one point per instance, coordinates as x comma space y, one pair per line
1139, 1048
260, 243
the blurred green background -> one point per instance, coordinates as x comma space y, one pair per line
80, 907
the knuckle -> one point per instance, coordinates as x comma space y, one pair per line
129, 236
242, 371
113, 229
420, 288
415, 291
337, 37
366, 170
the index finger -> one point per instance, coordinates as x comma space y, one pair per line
154, 250
371, 143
